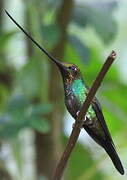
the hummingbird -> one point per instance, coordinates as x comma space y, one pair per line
76, 90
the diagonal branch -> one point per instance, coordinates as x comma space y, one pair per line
79, 120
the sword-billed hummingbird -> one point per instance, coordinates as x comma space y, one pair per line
75, 94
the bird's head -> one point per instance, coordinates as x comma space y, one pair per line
68, 71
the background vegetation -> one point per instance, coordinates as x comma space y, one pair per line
34, 124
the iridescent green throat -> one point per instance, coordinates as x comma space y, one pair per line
80, 91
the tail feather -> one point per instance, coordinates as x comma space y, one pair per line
109, 148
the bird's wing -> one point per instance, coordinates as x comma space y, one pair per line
97, 108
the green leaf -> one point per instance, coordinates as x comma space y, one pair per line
50, 35
20, 114
30, 78
99, 18
104, 25
82, 50
80, 16
11, 129
114, 105
70, 54
41, 109
108, 7
40, 125
17, 103
4, 38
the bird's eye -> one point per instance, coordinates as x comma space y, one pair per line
73, 68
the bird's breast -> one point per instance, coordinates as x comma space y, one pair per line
72, 104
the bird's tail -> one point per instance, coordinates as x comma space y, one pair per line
109, 148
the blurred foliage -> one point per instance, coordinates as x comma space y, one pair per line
20, 114
30, 78
80, 48
4, 39
99, 18
50, 35
17, 109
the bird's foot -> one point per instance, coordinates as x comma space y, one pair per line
73, 125
77, 113
85, 118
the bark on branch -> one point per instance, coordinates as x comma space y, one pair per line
79, 121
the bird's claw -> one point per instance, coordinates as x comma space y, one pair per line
83, 120
73, 125
84, 117
77, 113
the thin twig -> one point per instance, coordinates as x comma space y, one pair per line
79, 120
